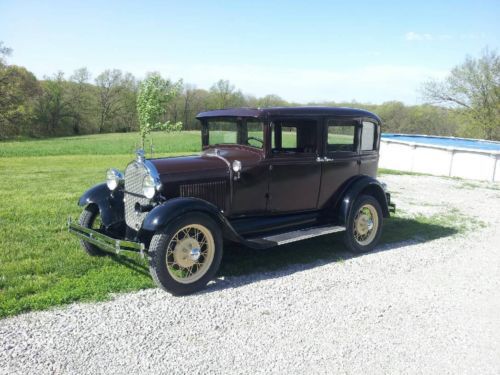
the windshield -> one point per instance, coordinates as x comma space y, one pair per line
246, 131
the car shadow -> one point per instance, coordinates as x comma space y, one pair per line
241, 265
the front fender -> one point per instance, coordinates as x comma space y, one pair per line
162, 215
362, 185
110, 203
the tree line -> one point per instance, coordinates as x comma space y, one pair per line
465, 104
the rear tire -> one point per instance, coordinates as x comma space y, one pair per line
90, 218
186, 255
364, 225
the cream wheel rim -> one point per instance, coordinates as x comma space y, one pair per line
190, 253
365, 224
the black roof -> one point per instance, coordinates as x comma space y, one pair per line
288, 111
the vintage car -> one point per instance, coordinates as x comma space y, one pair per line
265, 177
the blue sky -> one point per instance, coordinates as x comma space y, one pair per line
303, 51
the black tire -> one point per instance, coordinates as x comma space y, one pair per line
350, 234
158, 255
87, 219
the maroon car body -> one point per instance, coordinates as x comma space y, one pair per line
285, 174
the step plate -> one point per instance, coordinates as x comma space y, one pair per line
303, 234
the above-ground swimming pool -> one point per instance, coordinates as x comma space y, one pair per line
443, 156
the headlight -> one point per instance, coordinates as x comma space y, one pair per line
113, 178
149, 186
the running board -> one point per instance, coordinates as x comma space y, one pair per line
297, 235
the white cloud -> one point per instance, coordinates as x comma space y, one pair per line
412, 36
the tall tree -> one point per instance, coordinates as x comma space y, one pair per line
224, 94
55, 110
473, 87
4, 53
109, 85
127, 113
82, 98
19, 90
155, 93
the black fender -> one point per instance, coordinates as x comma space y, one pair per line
160, 216
110, 203
361, 185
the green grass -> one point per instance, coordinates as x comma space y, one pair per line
383, 171
102, 144
42, 265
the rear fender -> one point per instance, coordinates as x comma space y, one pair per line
362, 185
110, 203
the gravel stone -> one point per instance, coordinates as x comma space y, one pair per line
412, 307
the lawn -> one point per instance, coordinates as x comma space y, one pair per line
102, 144
41, 264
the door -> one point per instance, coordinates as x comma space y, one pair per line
341, 158
295, 172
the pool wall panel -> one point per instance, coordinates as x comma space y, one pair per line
440, 160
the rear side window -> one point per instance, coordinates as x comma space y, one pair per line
294, 136
368, 136
341, 137
289, 137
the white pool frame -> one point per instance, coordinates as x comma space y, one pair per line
439, 160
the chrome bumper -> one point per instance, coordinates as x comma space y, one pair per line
105, 242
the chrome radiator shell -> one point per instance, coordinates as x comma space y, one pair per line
134, 175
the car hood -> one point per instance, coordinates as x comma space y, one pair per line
212, 163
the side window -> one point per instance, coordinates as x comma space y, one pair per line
295, 136
341, 137
253, 135
289, 137
368, 136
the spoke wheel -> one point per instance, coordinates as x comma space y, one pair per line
186, 254
365, 224
190, 253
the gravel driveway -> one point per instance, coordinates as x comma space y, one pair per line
413, 307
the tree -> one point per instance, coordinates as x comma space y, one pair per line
19, 90
109, 89
474, 89
271, 101
4, 52
82, 99
225, 95
126, 116
155, 93
55, 110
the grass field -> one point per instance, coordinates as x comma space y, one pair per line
102, 144
41, 264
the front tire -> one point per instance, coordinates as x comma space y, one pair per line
364, 225
186, 255
90, 218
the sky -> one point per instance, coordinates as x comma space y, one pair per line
368, 51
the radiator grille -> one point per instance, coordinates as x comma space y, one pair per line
134, 175
214, 192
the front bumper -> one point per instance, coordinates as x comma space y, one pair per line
104, 242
